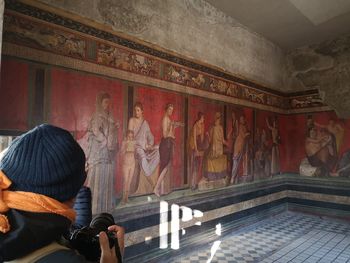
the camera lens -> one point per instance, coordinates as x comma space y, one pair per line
102, 222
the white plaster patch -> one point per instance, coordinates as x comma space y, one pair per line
319, 12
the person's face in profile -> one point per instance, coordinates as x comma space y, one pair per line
106, 104
138, 112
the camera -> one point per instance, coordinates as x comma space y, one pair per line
86, 240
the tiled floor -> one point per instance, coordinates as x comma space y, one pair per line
289, 237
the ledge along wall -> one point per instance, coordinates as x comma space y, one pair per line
54, 68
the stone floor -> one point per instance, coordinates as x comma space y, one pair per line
288, 237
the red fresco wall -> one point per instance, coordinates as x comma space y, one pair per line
72, 102
292, 148
293, 128
72, 98
14, 99
154, 102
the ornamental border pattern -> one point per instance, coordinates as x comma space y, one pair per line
29, 26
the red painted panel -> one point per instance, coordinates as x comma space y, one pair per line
14, 97
154, 102
72, 101
293, 131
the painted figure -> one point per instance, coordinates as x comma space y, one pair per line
232, 134
336, 130
240, 147
146, 153
320, 150
216, 161
166, 148
128, 162
198, 143
262, 157
275, 153
100, 155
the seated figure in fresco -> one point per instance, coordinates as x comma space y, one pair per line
146, 153
216, 160
100, 154
166, 149
198, 144
320, 150
335, 130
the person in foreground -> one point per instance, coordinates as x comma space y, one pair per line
40, 175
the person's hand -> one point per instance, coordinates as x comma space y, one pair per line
107, 254
119, 234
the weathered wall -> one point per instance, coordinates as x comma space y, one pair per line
325, 66
192, 28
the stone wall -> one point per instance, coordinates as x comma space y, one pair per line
192, 28
324, 66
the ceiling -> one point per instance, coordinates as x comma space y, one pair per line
290, 23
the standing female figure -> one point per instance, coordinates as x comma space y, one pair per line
100, 156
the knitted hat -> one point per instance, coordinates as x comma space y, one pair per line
45, 160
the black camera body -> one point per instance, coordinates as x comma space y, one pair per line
86, 240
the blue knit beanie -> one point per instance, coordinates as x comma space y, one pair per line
45, 160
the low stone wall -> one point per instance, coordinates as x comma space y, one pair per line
191, 220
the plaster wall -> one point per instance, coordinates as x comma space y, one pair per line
324, 66
192, 28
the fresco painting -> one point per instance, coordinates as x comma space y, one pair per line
170, 140
95, 121
145, 153
202, 117
326, 146
45, 38
158, 126
267, 145
239, 129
